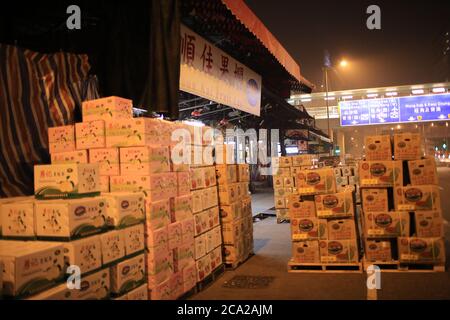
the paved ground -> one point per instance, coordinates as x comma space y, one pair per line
272, 248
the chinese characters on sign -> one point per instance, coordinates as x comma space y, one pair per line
208, 72
395, 110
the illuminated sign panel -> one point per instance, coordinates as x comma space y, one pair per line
395, 110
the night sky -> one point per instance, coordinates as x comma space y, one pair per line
407, 50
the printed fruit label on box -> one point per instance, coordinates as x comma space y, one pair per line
66, 180
79, 156
336, 205
318, 181
381, 173
418, 197
391, 224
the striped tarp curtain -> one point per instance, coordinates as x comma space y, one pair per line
37, 91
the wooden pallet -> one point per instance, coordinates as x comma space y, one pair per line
396, 266
210, 279
295, 267
234, 265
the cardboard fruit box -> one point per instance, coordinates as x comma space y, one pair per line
107, 108
334, 205
378, 250
61, 139
306, 252
375, 200
380, 173
70, 219
318, 181
341, 229
308, 229
134, 132
417, 198
338, 251
407, 146
423, 172
90, 134
108, 160
59, 181
79, 156
144, 160
299, 208
23, 278
421, 250
378, 147
386, 224
429, 224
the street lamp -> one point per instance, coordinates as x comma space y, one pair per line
343, 63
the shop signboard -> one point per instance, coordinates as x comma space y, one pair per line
395, 110
208, 72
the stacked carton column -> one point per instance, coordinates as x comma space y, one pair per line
284, 181
98, 236
323, 228
401, 204
235, 212
208, 239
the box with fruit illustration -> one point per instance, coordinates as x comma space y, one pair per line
386, 224
306, 252
90, 134
417, 198
128, 275
429, 224
378, 250
338, 251
135, 132
374, 200
70, 219
61, 181
107, 159
308, 229
319, 181
300, 209
423, 172
407, 146
341, 229
22, 278
125, 209
144, 160
380, 173
61, 139
378, 147
107, 108
18, 219
334, 205
421, 250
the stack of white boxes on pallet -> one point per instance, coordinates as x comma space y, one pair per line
207, 231
286, 168
401, 202
235, 211
322, 220
103, 234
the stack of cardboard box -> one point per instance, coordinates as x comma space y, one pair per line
235, 211
207, 229
322, 220
347, 178
401, 202
103, 234
284, 171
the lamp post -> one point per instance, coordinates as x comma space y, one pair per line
343, 64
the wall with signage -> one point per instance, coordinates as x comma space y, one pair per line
208, 72
395, 110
